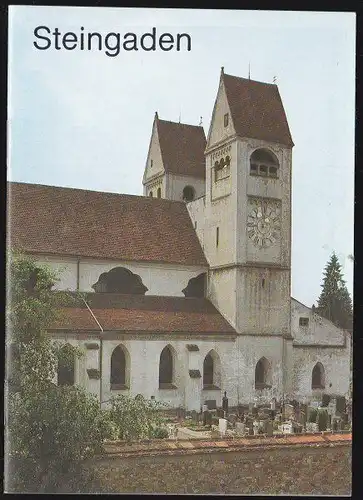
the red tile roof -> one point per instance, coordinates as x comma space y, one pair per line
257, 110
182, 148
65, 221
137, 313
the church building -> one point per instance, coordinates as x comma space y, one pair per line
187, 288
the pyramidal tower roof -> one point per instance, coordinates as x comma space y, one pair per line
257, 110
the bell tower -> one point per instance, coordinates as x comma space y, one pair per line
247, 237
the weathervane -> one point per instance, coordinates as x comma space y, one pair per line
201, 121
249, 71
274, 79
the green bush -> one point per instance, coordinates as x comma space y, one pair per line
135, 418
50, 434
160, 433
313, 415
322, 420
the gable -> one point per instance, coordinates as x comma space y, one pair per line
154, 163
318, 331
217, 131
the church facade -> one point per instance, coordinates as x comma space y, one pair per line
187, 288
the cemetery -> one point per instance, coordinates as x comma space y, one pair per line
331, 414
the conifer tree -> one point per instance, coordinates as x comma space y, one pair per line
335, 302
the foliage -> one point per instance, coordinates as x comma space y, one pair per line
334, 302
50, 429
160, 433
313, 415
51, 433
135, 418
322, 419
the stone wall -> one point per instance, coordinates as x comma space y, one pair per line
302, 470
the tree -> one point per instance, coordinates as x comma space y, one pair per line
50, 429
136, 418
334, 302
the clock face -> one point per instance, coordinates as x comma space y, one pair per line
263, 223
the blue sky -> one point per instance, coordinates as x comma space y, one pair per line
83, 119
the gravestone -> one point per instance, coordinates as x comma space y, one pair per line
225, 403
286, 428
208, 418
269, 430
344, 417
254, 411
250, 430
194, 416
220, 413
222, 426
341, 404
180, 413
212, 404
256, 426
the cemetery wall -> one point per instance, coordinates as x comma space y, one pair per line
302, 470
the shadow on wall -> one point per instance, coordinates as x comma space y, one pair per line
120, 280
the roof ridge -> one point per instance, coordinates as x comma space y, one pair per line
249, 79
123, 195
180, 123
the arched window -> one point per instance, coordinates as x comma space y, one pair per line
66, 366
159, 192
211, 371
318, 377
151, 194
262, 374
222, 168
188, 193
166, 368
264, 163
119, 368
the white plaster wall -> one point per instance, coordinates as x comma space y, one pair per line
263, 308
176, 184
196, 211
319, 331
222, 292
222, 213
238, 360
336, 366
252, 349
160, 279
66, 268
